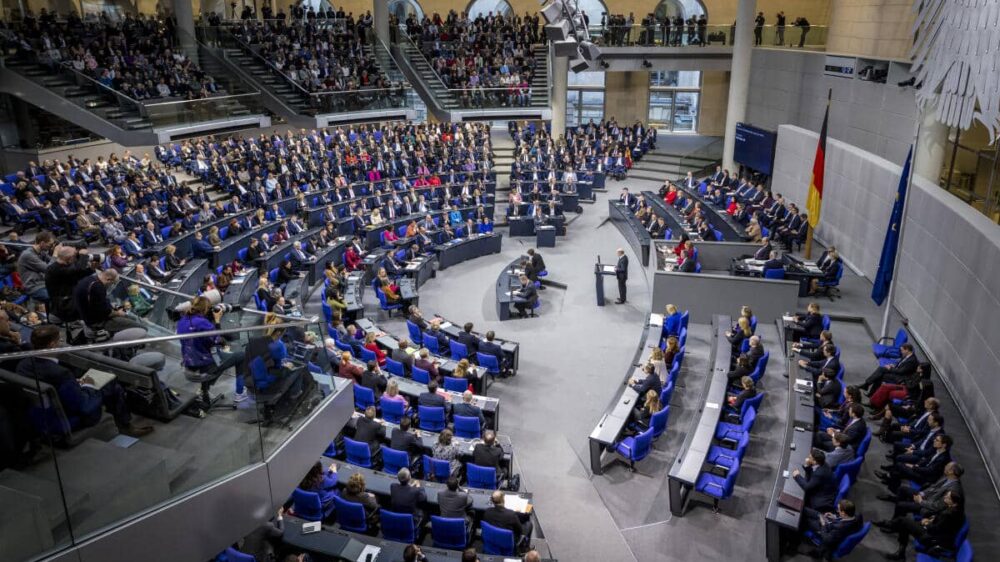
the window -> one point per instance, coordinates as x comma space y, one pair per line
584, 98
485, 7
682, 8
673, 100
675, 78
404, 8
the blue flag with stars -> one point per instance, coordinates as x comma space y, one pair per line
883, 280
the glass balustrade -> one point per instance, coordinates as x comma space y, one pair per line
76, 475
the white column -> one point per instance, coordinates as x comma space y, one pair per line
559, 69
931, 145
739, 78
185, 26
380, 13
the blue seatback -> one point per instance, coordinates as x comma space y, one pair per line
358, 453
458, 350
393, 460
852, 541
431, 418
397, 526
489, 362
367, 355
497, 540
449, 532
307, 505
392, 410
848, 469
453, 384
483, 477
414, 331
394, 367
436, 470
431, 343
658, 421
350, 515
467, 427
363, 397
420, 375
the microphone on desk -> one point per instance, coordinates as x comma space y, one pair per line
598, 259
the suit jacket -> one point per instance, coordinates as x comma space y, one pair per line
401, 356
455, 504
505, 519
855, 431
836, 530
820, 489
651, 382
374, 381
406, 498
905, 366
934, 495
687, 266
816, 366
469, 411
434, 400
621, 268
369, 431
839, 456
829, 394
483, 455
427, 365
406, 441
812, 325
470, 341
762, 253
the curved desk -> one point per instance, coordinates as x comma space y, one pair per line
701, 433
507, 283
619, 411
731, 230
637, 235
463, 249
676, 222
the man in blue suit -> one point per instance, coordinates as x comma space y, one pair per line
200, 248
469, 410
80, 398
817, 482
489, 347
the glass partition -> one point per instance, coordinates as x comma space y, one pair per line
108, 431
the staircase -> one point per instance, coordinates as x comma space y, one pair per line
284, 97
445, 104
77, 100
659, 166
86, 103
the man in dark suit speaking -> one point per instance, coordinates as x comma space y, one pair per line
621, 273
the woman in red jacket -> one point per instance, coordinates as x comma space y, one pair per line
370, 345
352, 259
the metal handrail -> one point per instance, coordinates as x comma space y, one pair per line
151, 340
68, 67
246, 48
202, 100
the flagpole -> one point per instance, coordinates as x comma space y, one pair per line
902, 229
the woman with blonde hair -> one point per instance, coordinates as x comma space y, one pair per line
659, 363
671, 321
651, 404
741, 333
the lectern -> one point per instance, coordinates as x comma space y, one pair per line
600, 271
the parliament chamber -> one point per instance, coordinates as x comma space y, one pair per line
499, 280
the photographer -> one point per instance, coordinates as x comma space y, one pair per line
197, 353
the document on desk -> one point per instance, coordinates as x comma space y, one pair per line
788, 318
656, 319
445, 325
803, 385
369, 554
517, 503
755, 262
712, 405
608, 268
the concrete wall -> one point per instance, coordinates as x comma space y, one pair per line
706, 295
714, 98
626, 96
789, 87
948, 271
871, 28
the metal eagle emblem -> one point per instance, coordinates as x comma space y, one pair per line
956, 55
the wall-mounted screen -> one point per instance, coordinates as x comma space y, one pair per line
755, 148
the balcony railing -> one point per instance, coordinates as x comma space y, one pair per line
713, 35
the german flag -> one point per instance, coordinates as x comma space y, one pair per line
814, 203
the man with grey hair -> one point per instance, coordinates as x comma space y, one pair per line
90, 296
407, 496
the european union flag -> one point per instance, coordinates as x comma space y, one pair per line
883, 280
